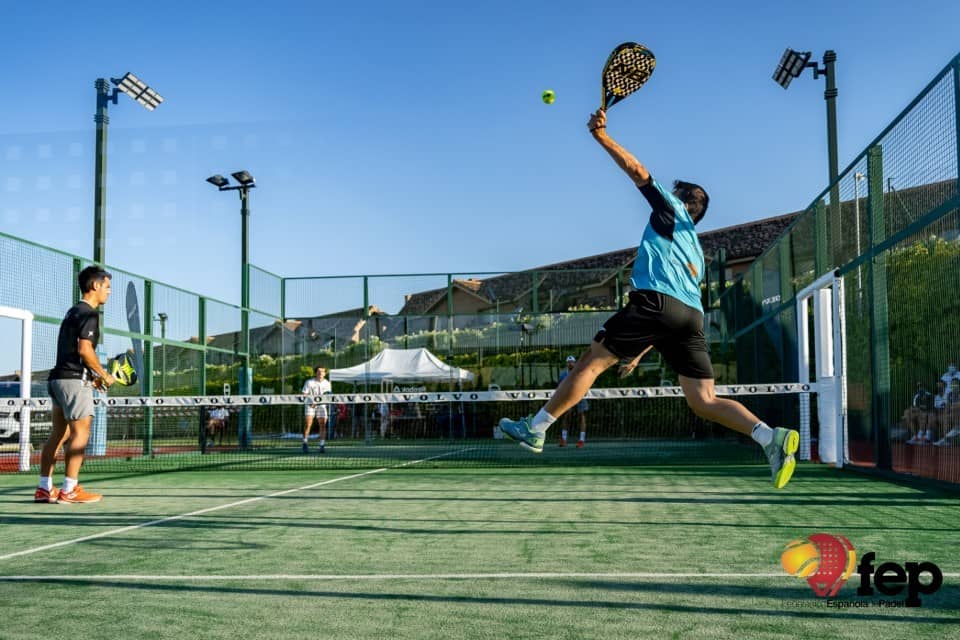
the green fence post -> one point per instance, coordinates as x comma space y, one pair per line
722, 271
77, 267
450, 314
822, 256
535, 303
956, 109
366, 296
756, 282
619, 294
148, 365
202, 338
879, 313
788, 329
283, 334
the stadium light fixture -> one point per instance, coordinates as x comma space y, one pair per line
138, 90
132, 86
791, 66
218, 181
244, 178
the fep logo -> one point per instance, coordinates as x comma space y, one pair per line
825, 560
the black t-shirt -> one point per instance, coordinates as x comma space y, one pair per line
81, 321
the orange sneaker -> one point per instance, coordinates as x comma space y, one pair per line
42, 495
563, 442
580, 444
78, 495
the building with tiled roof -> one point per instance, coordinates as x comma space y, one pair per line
591, 281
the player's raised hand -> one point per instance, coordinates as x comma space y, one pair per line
598, 122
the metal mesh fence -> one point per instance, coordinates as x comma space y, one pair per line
890, 226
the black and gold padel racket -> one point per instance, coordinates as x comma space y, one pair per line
627, 69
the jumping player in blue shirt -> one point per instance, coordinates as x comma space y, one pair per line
665, 312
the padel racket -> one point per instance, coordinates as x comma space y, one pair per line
627, 69
121, 367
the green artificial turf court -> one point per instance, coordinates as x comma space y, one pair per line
546, 552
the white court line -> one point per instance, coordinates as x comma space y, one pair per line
133, 527
400, 576
396, 576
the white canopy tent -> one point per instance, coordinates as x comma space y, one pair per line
401, 365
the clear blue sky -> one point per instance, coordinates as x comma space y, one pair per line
410, 136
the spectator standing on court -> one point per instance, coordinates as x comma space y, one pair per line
315, 411
582, 408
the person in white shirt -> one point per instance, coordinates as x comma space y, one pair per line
217, 423
316, 386
947, 414
951, 375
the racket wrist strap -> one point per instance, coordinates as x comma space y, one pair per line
600, 126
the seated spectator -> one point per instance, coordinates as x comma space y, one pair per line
947, 411
951, 375
918, 417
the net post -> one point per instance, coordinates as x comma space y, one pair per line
26, 378
879, 318
803, 369
840, 368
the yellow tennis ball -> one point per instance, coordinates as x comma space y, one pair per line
800, 558
548, 96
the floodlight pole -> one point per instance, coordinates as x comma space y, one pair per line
104, 97
246, 183
245, 277
830, 95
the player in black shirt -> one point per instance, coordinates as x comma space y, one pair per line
71, 383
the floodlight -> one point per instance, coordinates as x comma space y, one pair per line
218, 181
139, 91
243, 177
791, 65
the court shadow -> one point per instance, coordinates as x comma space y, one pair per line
522, 603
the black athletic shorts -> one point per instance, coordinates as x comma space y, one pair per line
673, 328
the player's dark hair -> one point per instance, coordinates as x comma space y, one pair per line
91, 275
317, 369
694, 197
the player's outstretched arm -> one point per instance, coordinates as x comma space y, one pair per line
624, 159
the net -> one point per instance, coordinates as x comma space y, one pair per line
624, 426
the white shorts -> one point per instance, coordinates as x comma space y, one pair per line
316, 411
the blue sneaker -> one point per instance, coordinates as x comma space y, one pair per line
520, 431
780, 454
